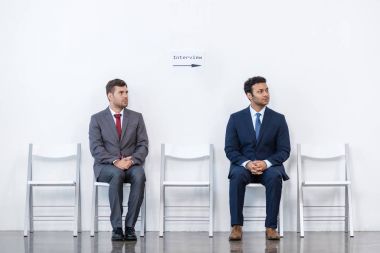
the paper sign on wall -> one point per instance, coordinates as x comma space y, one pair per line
189, 59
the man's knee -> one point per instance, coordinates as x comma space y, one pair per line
138, 176
118, 176
273, 176
112, 175
239, 174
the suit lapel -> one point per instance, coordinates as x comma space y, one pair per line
125, 123
265, 124
110, 122
249, 123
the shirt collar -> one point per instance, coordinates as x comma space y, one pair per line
113, 113
253, 112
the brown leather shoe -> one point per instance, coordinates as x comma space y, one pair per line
236, 233
271, 234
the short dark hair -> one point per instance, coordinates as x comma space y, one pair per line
252, 81
110, 87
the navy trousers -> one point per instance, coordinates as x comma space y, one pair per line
271, 179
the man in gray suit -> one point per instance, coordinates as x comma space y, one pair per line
119, 145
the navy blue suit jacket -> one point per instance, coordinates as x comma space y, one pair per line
273, 143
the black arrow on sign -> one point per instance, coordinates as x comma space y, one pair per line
191, 65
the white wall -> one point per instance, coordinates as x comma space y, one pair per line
321, 59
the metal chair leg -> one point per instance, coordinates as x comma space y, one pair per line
76, 211
211, 213
162, 211
143, 216
301, 217
31, 211
350, 222
93, 211
27, 211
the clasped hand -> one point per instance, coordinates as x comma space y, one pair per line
124, 163
256, 167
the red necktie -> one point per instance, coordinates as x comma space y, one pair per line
118, 123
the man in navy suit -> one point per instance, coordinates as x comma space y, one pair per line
257, 144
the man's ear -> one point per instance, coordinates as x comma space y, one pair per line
109, 96
249, 95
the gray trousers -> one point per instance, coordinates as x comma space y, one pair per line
116, 177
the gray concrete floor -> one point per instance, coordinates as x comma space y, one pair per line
183, 242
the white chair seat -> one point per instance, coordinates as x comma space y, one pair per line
190, 184
255, 185
326, 183
52, 183
101, 184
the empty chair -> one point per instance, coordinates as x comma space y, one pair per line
35, 179
252, 187
324, 155
95, 217
185, 154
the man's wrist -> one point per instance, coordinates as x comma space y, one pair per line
268, 163
244, 164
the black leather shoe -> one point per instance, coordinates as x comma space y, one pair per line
130, 234
117, 235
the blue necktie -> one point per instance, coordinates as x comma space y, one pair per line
257, 125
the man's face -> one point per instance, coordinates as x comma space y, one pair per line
119, 97
260, 94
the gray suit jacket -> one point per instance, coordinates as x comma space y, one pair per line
105, 145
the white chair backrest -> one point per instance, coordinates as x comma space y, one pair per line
326, 151
186, 151
327, 161
176, 154
64, 151
54, 162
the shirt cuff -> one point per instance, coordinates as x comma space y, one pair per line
269, 164
245, 163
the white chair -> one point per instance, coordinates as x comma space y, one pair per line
52, 155
324, 154
186, 153
95, 217
262, 218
